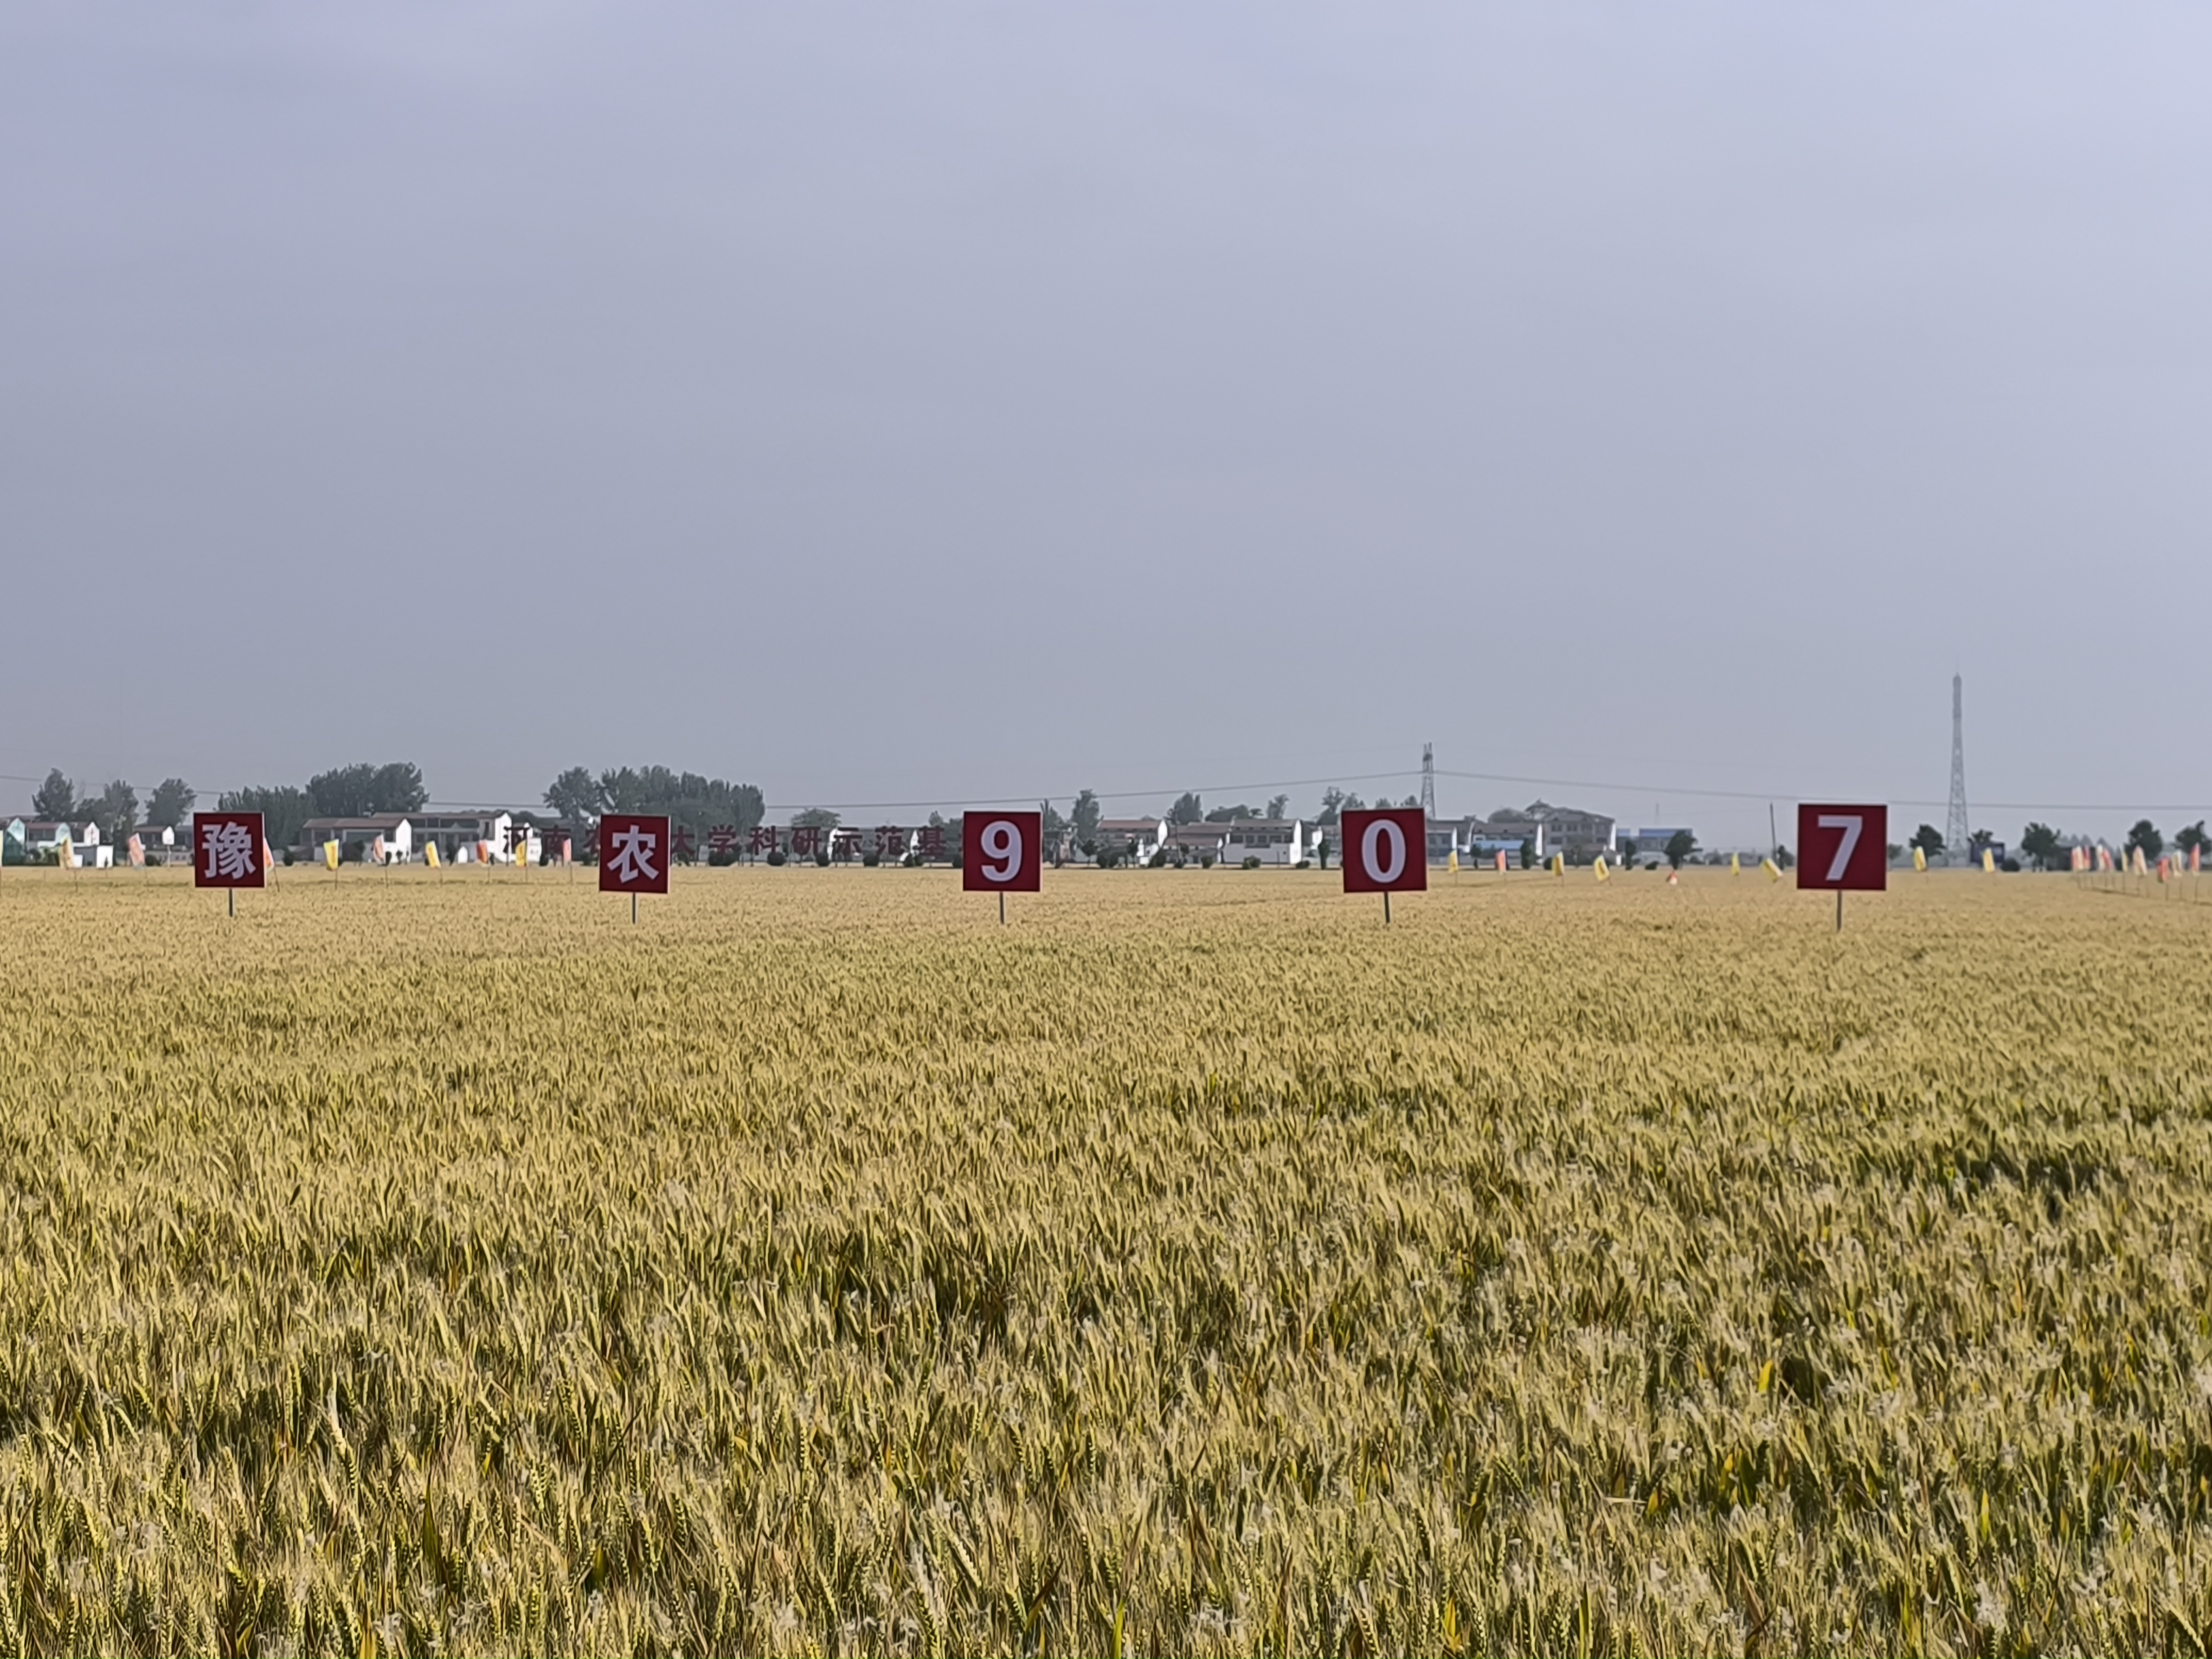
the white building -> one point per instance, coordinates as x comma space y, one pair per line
1271, 841
1194, 843
42, 835
1138, 839
405, 835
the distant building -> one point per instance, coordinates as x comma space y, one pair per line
406, 834
1190, 844
43, 836
1271, 841
1543, 828
1137, 838
178, 849
1650, 843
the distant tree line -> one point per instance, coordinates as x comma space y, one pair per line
358, 791
696, 805
2047, 848
343, 791
115, 809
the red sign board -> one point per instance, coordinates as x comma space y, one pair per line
634, 854
1842, 849
1002, 852
1386, 851
228, 849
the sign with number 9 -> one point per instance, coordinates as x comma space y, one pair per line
1000, 852
1386, 851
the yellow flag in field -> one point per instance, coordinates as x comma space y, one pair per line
430, 853
331, 854
1598, 870
68, 851
1920, 857
1558, 864
1988, 862
1453, 862
1773, 871
1735, 864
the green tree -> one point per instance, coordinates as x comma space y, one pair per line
1084, 818
693, 803
2145, 834
1188, 809
54, 800
2191, 838
821, 816
1929, 841
576, 799
1230, 814
1278, 806
1680, 846
284, 811
170, 805
2040, 842
1332, 804
117, 812
365, 789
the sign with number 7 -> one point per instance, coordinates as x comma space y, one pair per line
1842, 849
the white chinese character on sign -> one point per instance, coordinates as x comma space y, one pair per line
633, 857
229, 849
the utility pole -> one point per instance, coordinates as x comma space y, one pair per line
1428, 780
1956, 833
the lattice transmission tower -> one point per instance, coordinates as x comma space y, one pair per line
1429, 780
1956, 833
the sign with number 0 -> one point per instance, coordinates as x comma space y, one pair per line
1842, 849
1386, 851
1001, 852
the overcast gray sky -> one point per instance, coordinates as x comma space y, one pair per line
957, 402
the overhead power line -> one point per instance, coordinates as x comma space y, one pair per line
1030, 798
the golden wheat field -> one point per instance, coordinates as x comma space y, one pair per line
430, 1263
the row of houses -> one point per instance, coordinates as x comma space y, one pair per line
463, 837
1545, 829
1542, 827
1271, 841
43, 837
382, 837
460, 838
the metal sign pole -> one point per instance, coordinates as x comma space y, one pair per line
1839, 909
1002, 909
231, 893
1386, 907
633, 909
